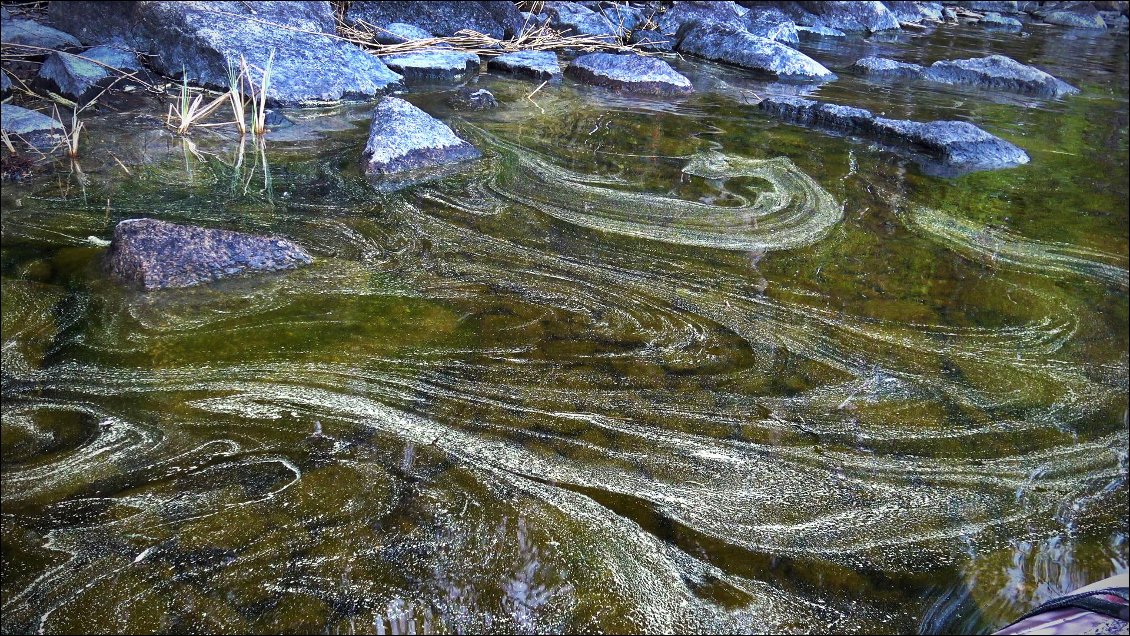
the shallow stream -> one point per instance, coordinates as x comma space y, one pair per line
650, 365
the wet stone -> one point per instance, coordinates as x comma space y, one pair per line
629, 72
82, 78
30, 126
958, 146
151, 254
32, 33
467, 98
534, 65
403, 137
311, 65
734, 45
998, 21
496, 18
434, 66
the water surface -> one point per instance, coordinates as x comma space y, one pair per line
647, 366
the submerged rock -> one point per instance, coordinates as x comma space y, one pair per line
151, 254
31, 127
311, 65
734, 45
629, 72
958, 146
496, 18
535, 65
998, 21
467, 98
434, 66
32, 33
885, 68
83, 78
403, 137
995, 72
998, 72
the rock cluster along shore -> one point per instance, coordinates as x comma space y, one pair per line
75, 47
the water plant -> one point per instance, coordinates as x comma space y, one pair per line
190, 112
259, 103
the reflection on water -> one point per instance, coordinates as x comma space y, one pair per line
645, 366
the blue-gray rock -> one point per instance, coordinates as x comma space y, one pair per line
532, 21
496, 18
998, 72
32, 33
31, 127
884, 68
683, 15
5, 84
311, 65
403, 138
996, 6
151, 254
1081, 15
1115, 20
5, 14
915, 12
734, 45
399, 32
771, 23
572, 18
955, 146
81, 77
993, 20
467, 98
629, 72
994, 73
434, 66
868, 16
534, 65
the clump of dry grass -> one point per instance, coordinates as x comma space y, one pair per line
540, 38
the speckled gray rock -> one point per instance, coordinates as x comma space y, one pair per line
434, 66
311, 65
572, 18
535, 65
982, 6
5, 84
885, 68
994, 73
31, 127
1081, 15
869, 16
684, 14
629, 72
399, 32
915, 12
467, 98
403, 137
150, 254
734, 45
32, 33
771, 23
496, 18
993, 20
950, 147
82, 78
998, 72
